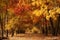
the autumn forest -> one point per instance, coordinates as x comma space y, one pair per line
30, 16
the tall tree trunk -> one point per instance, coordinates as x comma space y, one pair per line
12, 31
58, 27
1, 21
53, 29
7, 33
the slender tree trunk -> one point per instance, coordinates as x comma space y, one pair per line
7, 33
1, 26
2, 30
12, 32
53, 29
58, 27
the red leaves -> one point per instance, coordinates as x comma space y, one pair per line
27, 7
13, 3
17, 10
20, 9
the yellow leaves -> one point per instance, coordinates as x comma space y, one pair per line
37, 12
35, 3
58, 10
53, 13
9, 25
54, 17
35, 29
47, 17
11, 22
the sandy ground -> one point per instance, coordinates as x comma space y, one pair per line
33, 37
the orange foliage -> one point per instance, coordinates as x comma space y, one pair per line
35, 19
20, 9
12, 3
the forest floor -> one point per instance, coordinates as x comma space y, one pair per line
33, 37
